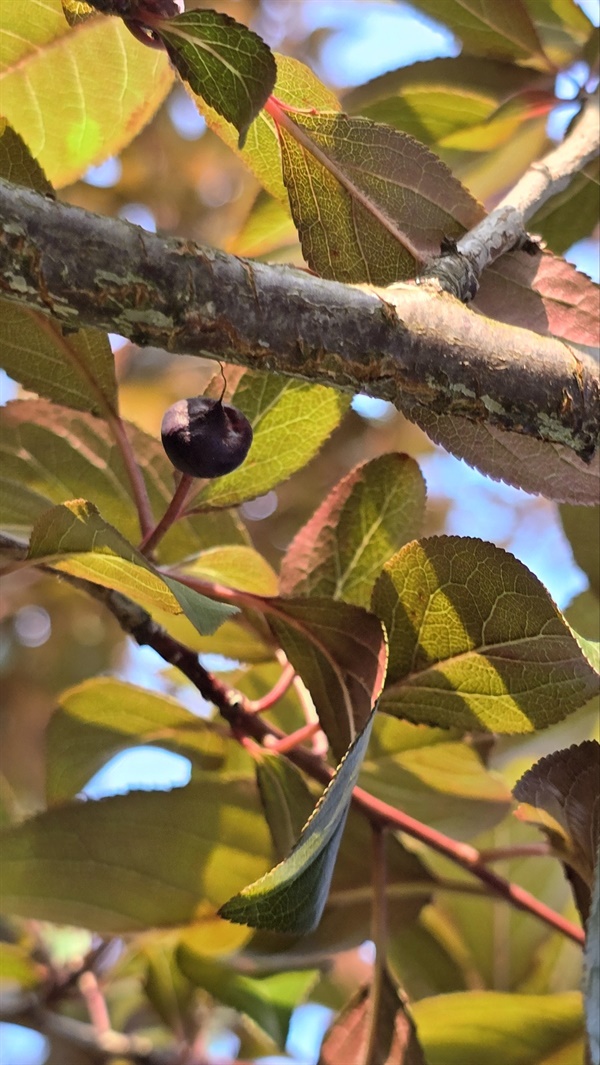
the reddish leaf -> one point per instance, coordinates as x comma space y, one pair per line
544, 293
339, 651
536, 466
358, 1037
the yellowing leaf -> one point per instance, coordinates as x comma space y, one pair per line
50, 79
514, 1029
74, 538
136, 861
475, 640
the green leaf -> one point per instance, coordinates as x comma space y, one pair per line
88, 126
592, 971
475, 640
101, 717
374, 1028
17, 163
370, 203
498, 31
49, 454
224, 62
443, 97
442, 783
286, 800
235, 565
583, 531
562, 27
572, 214
513, 1029
267, 233
135, 861
73, 538
296, 85
291, 421
74, 369
501, 946
292, 896
561, 794
267, 1000
18, 971
339, 651
372, 512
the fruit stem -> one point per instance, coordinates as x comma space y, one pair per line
170, 516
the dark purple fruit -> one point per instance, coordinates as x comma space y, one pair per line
205, 437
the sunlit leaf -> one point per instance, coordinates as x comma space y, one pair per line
291, 421
372, 512
370, 203
292, 896
592, 970
102, 717
358, 1037
499, 31
561, 794
514, 1029
223, 61
268, 1000
441, 97
442, 783
75, 125
135, 861
268, 232
77, 11
296, 85
73, 538
286, 800
475, 640
562, 27
237, 566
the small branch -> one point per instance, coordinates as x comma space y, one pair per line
95, 1002
379, 937
287, 744
231, 705
426, 353
286, 679
170, 516
505, 227
136, 477
521, 850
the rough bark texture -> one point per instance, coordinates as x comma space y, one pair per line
419, 348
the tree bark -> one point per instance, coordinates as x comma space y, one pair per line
418, 348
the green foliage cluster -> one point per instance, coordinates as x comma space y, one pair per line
406, 671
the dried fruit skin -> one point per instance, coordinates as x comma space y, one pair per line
205, 437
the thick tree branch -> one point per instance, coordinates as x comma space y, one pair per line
427, 350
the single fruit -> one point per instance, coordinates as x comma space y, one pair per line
205, 437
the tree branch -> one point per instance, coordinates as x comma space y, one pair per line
426, 352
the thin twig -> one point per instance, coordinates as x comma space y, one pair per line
379, 937
286, 678
135, 475
170, 516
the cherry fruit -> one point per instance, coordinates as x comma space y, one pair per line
205, 437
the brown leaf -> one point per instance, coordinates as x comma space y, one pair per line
394, 1039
